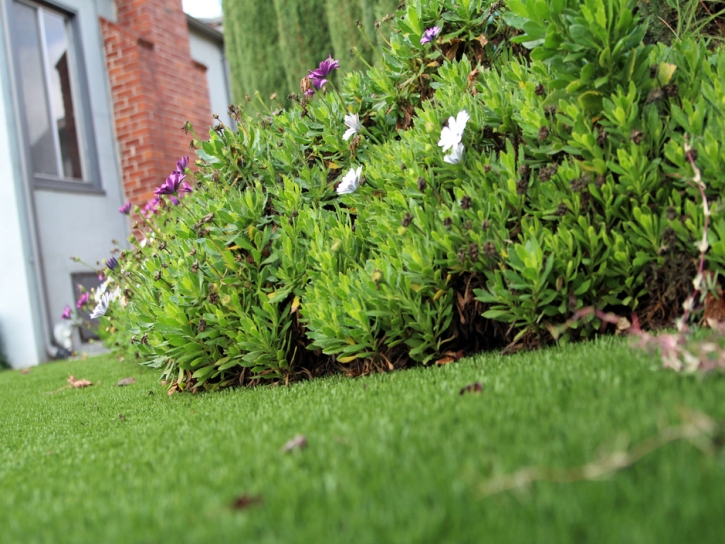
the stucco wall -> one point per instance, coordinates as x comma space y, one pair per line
83, 225
59, 224
210, 52
18, 328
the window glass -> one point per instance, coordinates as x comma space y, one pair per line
42, 44
61, 93
32, 88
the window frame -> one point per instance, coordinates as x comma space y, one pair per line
91, 181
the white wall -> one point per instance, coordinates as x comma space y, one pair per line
210, 52
19, 328
81, 224
54, 225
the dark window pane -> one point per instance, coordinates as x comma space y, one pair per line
61, 93
85, 282
32, 89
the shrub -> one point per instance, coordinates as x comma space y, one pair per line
570, 188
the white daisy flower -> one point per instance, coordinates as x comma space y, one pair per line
354, 126
456, 154
452, 134
350, 182
102, 307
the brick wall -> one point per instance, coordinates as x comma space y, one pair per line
156, 87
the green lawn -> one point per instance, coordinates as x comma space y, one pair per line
392, 458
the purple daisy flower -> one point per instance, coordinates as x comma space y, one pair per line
126, 208
430, 35
66, 313
82, 300
112, 263
151, 206
171, 185
318, 77
181, 164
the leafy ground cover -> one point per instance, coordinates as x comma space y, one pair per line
396, 457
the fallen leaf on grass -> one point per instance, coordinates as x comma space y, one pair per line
472, 388
126, 381
25, 371
121, 417
299, 442
245, 501
450, 357
78, 384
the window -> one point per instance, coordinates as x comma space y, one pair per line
47, 76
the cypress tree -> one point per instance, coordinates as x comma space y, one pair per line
304, 37
252, 47
376, 10
342, 18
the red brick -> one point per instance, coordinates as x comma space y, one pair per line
156, 87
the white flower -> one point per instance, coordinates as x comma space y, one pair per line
102, 307
101, 290
456, 154
353, 126
452, 134
350, 182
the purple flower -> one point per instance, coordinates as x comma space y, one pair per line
100, 277
171, 185
319, 77
185, 188
112, 263
174, 200
318, 83
126, 208
181, 164
430, 34
82, 300
151, 206
66, 313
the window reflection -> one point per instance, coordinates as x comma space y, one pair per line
42, 48
61, 93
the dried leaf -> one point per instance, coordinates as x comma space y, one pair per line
472, 77
299, 442
474, 388
715, 325
623, 324
126, 381
445, 360
714, 308
245, 501
78, 384
121, 417
25, 371
457, 355
452, 49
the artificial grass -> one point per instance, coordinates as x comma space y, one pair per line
391, 458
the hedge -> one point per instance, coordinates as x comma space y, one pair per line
521, 164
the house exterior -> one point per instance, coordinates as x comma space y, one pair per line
94, 94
